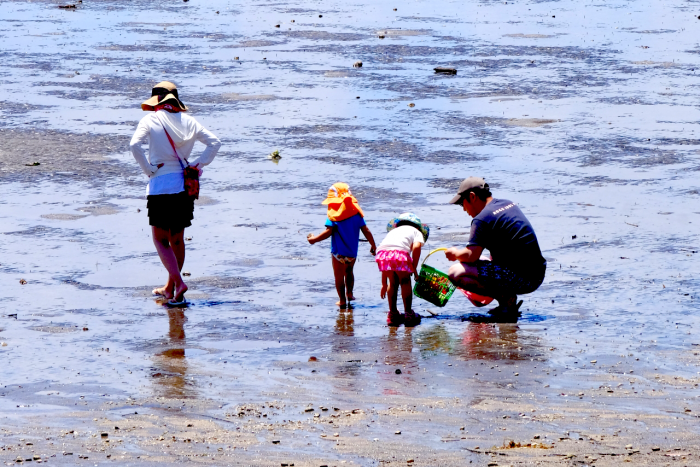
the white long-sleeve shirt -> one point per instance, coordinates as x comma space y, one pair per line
184, 130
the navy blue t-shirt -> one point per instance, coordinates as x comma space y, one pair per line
346, 235
502, 228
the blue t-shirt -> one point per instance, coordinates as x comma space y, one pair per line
346, 235
502, 228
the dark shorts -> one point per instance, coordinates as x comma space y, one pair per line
501, 281
170, 212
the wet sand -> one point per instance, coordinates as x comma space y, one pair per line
585, 114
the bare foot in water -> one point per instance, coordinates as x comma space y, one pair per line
180, 293
163, 292
351, 297
341, 304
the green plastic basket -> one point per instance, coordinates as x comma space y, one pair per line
433, 285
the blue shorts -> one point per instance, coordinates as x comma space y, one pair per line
499, 280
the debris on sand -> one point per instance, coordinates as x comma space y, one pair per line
446, 70
33, 164
313, 359
381, 36
67, 7
22, 281
411, 104
357, 64
274, 156
529, 122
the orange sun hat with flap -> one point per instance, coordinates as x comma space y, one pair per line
341, 203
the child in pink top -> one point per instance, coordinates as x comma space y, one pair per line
397, 258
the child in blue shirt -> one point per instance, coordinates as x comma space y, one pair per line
344, 223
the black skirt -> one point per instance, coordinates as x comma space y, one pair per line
170, 212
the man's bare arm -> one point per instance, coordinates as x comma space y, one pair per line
469, 254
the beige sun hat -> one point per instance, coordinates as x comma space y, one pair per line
164, 92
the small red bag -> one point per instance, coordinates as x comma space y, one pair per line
191, 174
192, 181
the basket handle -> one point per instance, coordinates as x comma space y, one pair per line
434, 251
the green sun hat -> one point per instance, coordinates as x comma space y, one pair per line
411, 218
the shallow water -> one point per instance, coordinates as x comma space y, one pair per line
583, 113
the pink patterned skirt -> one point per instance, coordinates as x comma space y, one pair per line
394, 260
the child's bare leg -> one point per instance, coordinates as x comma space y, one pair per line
339, 274
406, 292
393, 292
385, 283
349, 280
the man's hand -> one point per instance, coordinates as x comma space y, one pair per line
469, 254
310, 238
451, 254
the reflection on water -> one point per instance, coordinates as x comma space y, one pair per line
345, 343
400, 347
170, 372
479, 341
399, 356
344, 326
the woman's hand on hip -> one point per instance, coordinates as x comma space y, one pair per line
157, 167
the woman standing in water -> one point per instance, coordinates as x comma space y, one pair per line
170, 208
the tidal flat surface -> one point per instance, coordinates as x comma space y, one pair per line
585, 113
